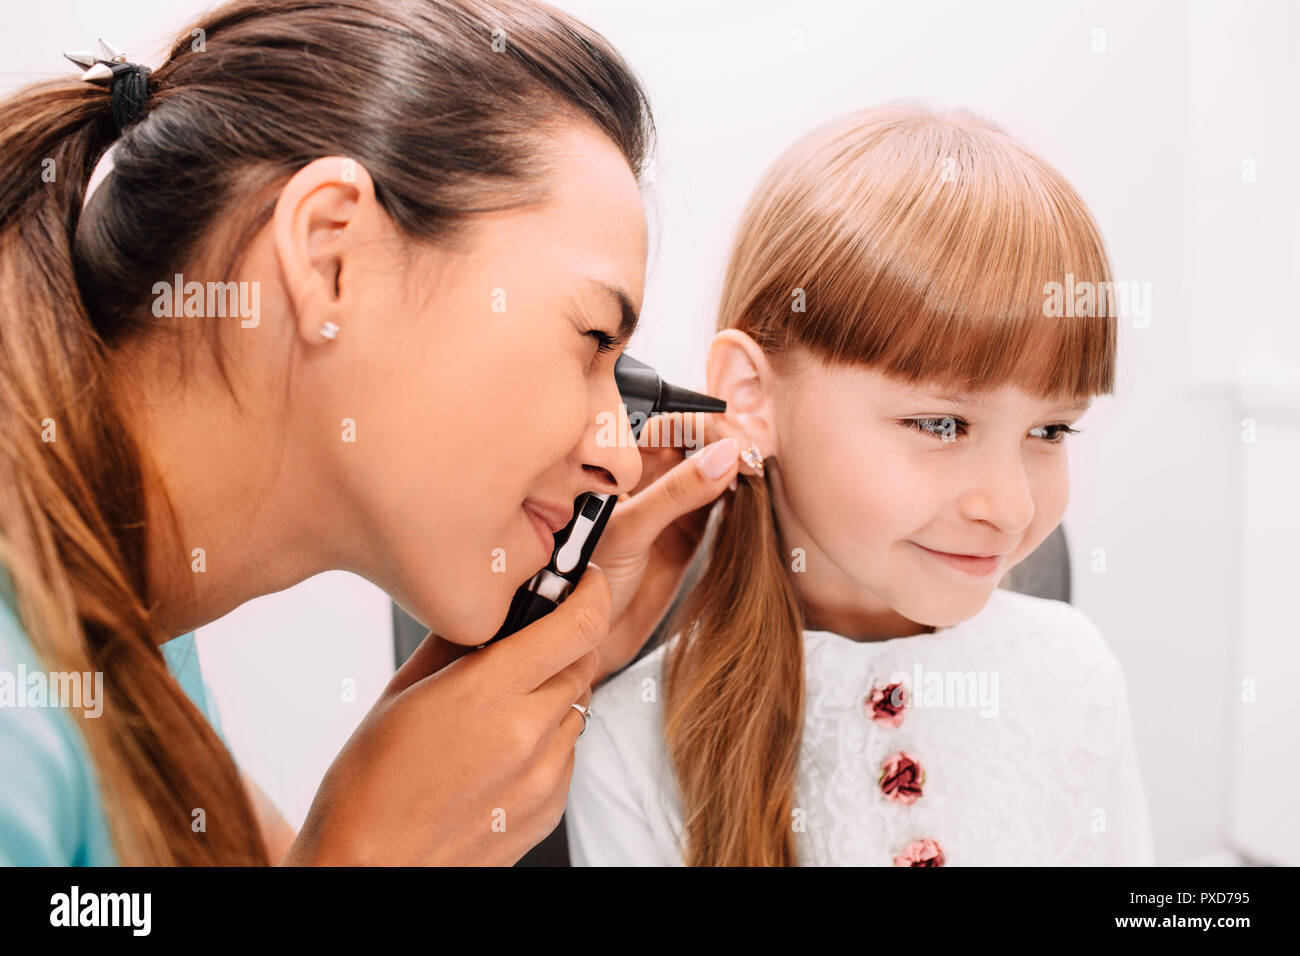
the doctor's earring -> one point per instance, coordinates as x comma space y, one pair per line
328, 331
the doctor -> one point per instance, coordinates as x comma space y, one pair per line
438, 207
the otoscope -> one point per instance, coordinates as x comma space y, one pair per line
644, 394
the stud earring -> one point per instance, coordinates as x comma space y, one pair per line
328, 330
753, 458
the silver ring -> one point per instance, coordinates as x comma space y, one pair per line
586, 717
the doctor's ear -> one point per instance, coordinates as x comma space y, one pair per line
740, 374
324, 214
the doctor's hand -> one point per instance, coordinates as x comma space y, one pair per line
465, 759
653, 532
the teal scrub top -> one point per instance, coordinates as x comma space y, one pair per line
51, 813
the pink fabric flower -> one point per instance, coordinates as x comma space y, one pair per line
886, 704
920, 853
901, 778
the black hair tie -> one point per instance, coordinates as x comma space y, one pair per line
130, 86
128, 82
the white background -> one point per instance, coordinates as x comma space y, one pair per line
1158, 113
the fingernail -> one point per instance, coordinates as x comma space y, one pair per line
732, 484
715, 462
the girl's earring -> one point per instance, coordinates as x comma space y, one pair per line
753, 458
328, 330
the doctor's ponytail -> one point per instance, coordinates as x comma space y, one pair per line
69, 493
446, 103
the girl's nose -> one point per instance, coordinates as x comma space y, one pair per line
1000, 493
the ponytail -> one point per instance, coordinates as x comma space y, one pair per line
72, 508
734, 693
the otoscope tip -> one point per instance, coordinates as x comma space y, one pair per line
674, 398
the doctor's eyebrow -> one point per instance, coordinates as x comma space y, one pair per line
628, 317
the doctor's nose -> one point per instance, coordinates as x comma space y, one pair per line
611, 460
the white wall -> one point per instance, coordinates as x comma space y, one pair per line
293, 674
1160, 130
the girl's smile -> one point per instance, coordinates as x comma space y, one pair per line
974, 565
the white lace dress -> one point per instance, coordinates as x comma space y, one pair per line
1010, 744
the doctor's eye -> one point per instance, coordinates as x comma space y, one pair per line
605, 341
945, 429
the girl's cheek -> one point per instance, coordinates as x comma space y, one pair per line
1049, 486
869, 496
888, 468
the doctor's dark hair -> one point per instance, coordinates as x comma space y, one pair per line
447, 104
918, 244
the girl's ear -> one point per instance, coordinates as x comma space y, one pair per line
739, 374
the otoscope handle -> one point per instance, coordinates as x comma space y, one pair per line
551, 585
526, 607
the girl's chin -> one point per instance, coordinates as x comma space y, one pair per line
951, 611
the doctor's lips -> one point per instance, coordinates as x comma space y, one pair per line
548, 520
554, 517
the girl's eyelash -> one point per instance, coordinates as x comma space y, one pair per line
605, 341
945, 426
1062, 430
952, 425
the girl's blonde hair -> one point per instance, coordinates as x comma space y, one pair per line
916, 243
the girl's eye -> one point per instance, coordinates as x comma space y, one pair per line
945, 429
605, 341
949, 428
1058, 437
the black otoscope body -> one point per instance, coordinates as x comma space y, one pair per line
644, 394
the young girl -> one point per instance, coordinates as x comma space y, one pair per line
848, 684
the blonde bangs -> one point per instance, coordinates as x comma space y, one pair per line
923, 245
